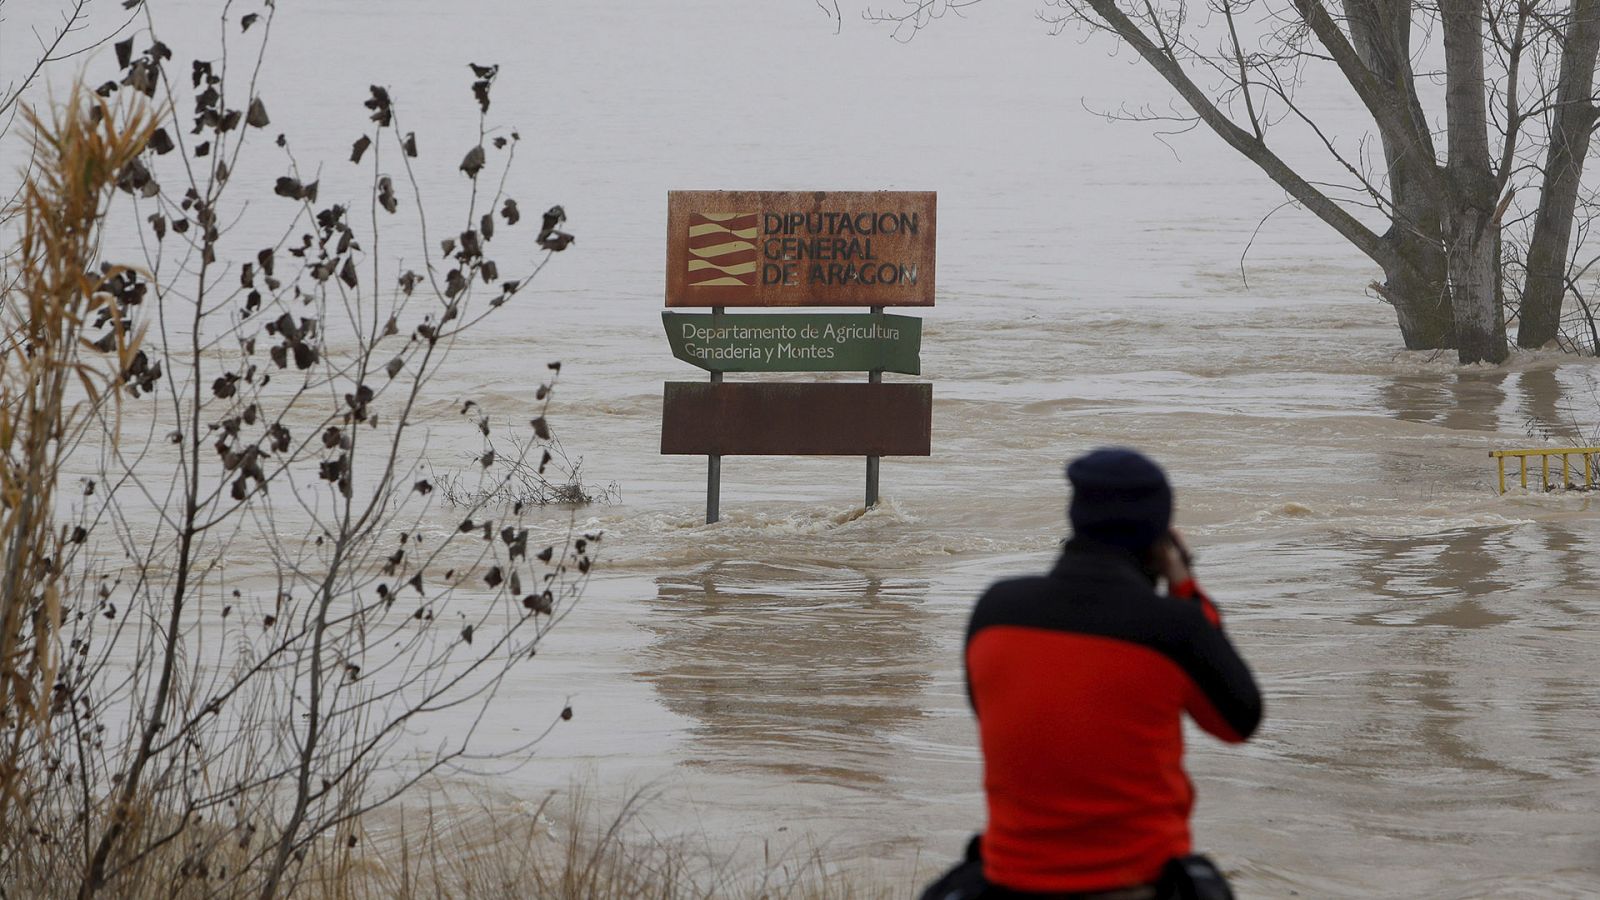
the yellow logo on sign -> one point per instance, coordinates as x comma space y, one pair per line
722, 249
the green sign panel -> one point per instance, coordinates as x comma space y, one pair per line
817, 342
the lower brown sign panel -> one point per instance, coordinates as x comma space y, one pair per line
754, 419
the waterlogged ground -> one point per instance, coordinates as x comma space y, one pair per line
788, 680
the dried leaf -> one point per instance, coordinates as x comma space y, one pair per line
257, 116
541, 428
556, 241
247, 21
386, 197
381, 106
473, 162
332, 469
494, 577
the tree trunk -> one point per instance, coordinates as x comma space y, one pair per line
1471, 227
1563, 170
1474, 283
1419, 291
1418, 288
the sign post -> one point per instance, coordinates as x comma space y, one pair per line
714, 461
874, 376
793, 249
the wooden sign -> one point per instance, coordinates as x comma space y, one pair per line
800, 248
768, 419
807, 342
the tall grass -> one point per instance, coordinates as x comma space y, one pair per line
569, 847
564, 847
56, 290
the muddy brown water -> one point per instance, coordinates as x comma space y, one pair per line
789, 679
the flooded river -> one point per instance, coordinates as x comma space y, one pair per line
790, 677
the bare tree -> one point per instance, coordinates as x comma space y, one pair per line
241, 630
1445, 224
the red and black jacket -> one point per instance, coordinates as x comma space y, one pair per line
1079, 679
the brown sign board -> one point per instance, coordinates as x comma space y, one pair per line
800, 248
772, 419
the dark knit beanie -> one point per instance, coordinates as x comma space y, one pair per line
1119, 497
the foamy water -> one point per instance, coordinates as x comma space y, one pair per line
1426, 646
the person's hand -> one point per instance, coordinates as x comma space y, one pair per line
1172, 559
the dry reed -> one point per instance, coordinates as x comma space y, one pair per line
53, 294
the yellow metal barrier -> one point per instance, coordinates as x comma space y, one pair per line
1544, 455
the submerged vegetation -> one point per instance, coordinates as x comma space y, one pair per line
230, 635
515, 480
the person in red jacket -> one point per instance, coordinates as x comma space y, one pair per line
1079, 679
